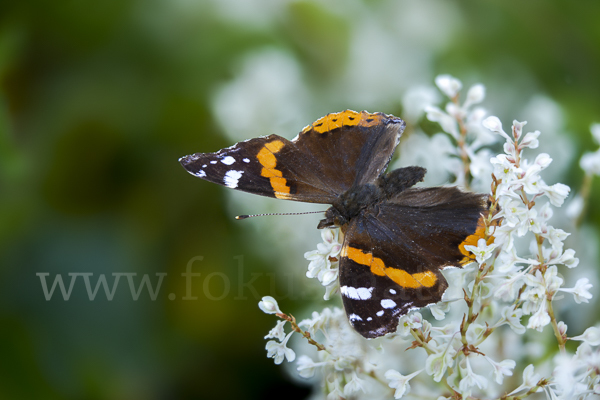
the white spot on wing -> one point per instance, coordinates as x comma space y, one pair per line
369, 319
204, 166
364, 293
392, 291
228, 160
350, 292
379, 313
388, 303
361, 293
213, 162
231, 178
246, 160
200, 174
354, 317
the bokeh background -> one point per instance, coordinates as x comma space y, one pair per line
99, 99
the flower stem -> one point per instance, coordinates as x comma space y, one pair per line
559, 337
464, 156
290, 318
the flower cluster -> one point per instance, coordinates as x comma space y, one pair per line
493, 307
324, 263
471, 166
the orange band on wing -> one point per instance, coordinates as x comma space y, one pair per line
401, 277
344, 118
266, 158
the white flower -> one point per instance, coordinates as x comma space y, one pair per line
482, 251
531, 140
503, 168
354, 385
555, 236
562, 328
269, 305
530, 379
517, 129
475, 95
590, 163
502, 368
399, 381
320, 259
335, 388
472, 379
508, 289
512, 317
278, 350
567, 258
474, 333
437, 363
540, 318
318, 321
531, 181
331, 289
408, 322
277, 332
575, 207
535, 292
306, 366
439, 310
449, 85
553, 281
493, 124
580, 291
542, 160
557, 193
506, 260
329, 276
590, 336
447, 122
416, 99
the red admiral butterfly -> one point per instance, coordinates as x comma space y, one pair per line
397, 238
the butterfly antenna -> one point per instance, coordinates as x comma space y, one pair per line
264, 215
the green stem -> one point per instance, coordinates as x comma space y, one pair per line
559, 337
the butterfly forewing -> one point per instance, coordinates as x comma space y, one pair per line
268, 166
324, 161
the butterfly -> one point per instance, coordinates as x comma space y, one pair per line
397, 238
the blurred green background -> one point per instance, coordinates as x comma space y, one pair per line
98, 100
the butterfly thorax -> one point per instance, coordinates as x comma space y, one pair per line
350, 203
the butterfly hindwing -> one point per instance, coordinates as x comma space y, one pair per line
393, 254
356, 146
373, 302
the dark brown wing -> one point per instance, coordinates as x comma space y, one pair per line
321, 163
393, 254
